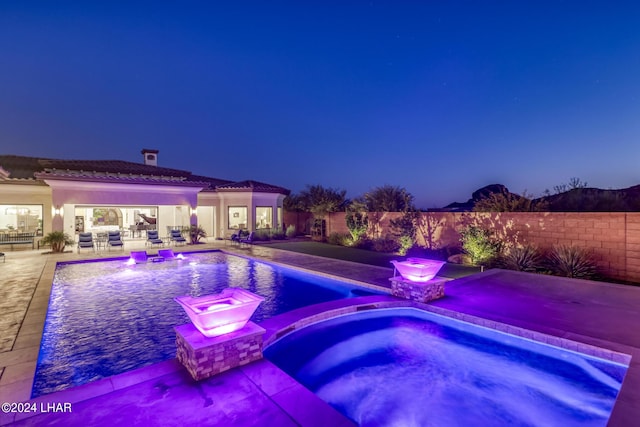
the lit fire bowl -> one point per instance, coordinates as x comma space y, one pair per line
418, 269
219, 314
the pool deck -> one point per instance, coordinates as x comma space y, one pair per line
595, 313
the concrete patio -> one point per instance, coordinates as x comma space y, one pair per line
593, 313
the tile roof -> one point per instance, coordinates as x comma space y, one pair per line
35, 169
213, 182
252, 186
118, 177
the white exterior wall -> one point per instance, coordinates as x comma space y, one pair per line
206, 220
212, 207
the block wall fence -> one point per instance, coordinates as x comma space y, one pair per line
612, 238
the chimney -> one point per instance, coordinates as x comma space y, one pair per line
150, 157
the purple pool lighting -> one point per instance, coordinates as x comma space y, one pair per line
166, 253
418, 269
137, 257
219, 314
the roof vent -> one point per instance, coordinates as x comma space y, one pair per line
150, 157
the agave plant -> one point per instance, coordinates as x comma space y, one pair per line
196, 232
571, 261
58, 240
524, 258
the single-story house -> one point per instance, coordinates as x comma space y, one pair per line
40, 195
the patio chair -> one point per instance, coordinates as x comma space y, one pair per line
246, 240
2, 256
85, 241
114, 240
153, 239
235, 238
176, 237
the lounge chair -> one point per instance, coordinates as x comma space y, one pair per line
113, 239
139, 256
85, 241
246, 240
166, 253
153, 239
176, 237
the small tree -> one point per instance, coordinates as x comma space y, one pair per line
388, 198
479, 245
357, 221
58, 240
405, 229
320, 201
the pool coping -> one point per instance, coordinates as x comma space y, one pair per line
282, 325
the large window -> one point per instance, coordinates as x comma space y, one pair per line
264, 217
21, 219
238, 217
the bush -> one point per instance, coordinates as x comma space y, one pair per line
341, 239
384, 244
291, 231
405, 243
363, 243
58, 240
571, 261
525, 258
196, 232
478, 244
441, 254
357, 223
262, 235
278, 235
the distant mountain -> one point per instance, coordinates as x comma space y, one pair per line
574, 200
595, 200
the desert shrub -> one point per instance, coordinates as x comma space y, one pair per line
291, 231
385, 244
357, 223
441, 254
479, 245
262, 235
405, 243
341, 239
363, 243
571, 261
278, 235
525, 258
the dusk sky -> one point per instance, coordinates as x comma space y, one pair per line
439, 97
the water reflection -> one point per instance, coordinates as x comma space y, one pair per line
106, 318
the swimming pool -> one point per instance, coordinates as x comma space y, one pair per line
409, 367
107, 317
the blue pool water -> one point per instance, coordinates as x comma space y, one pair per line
407, 367
106, 317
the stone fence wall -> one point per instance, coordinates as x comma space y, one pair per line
613, 238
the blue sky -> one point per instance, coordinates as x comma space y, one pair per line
438, 97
